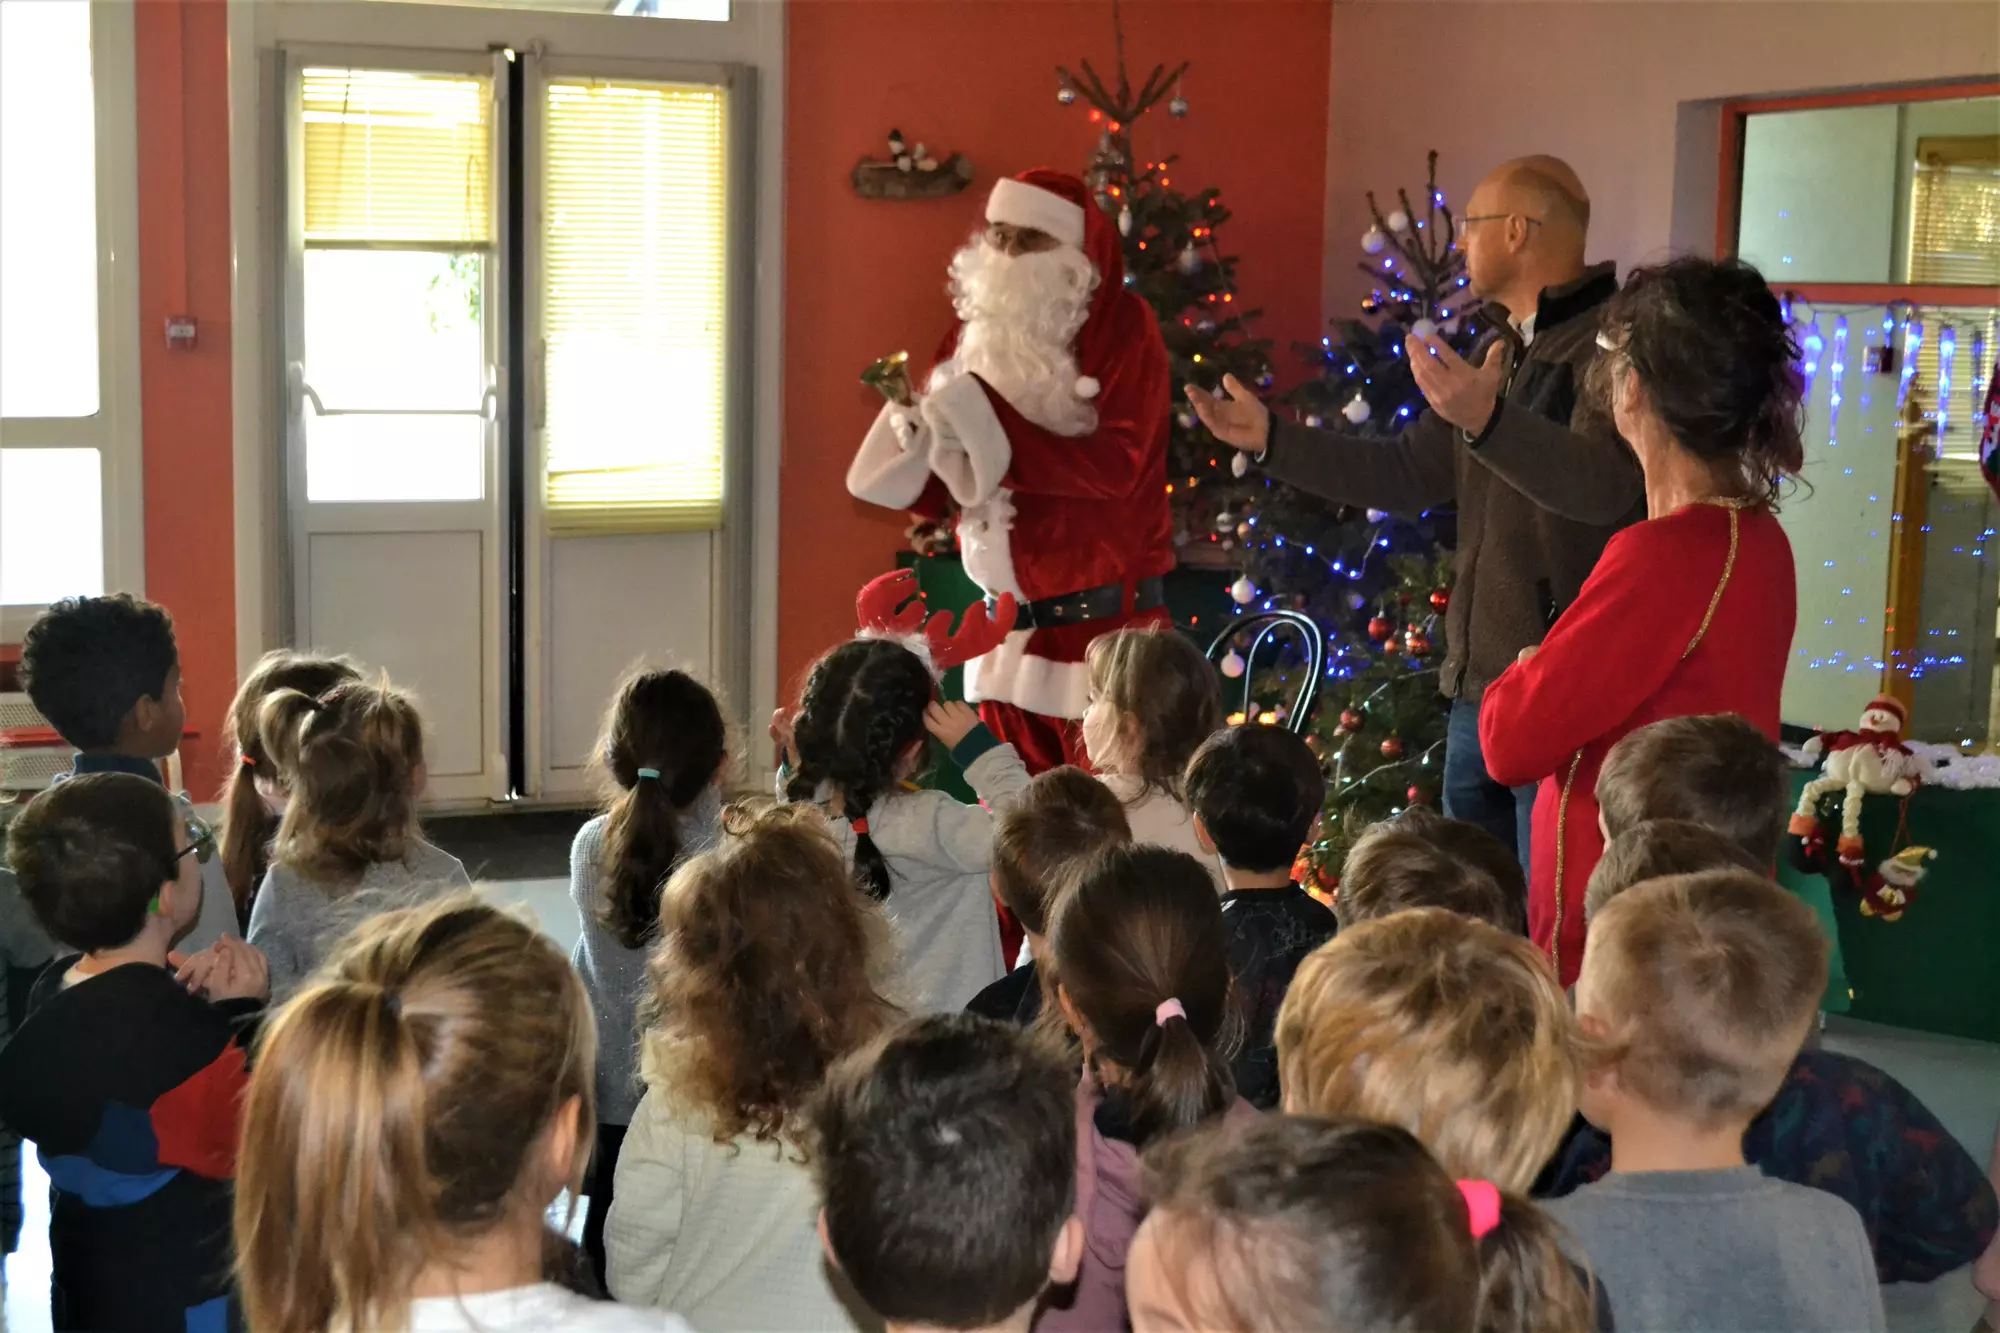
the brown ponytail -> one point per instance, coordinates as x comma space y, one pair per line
1139, 953
395, 1108
247, 825
663, 742
1293, 1216
351, 758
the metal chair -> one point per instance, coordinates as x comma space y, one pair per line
1272, 626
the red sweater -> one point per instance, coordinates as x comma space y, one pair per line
1648, 637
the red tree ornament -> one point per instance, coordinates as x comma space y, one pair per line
1392, 747
1440, 599
1350, 722
1415, 796
1380, 628
1418, 643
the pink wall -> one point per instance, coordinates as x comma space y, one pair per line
978, 76
1601, 84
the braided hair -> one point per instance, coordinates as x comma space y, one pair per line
862, 710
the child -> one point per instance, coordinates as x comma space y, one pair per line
254, 797
1255, 791
1420, 859
1838, 1124
972, 1246
858, 736
106, 673
25, 948
664, 752
1718, 771
414, 1112
1305, 1223
1695, 995
1444, 1025
1064, 818
127, 1082
761, 981
1142, 975
348, 845
1153, 700
1656, 849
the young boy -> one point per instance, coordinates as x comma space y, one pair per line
946, 1155
128, 1083
1718, 771
1421, 859
1254, 792
1657, 849
106, 673
1695, 995
1063, 818
1838, 1124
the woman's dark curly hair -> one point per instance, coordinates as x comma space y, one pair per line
1718, 364
862, 710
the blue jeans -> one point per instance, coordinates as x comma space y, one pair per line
1469, 794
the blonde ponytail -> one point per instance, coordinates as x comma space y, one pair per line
351, 758
1526, 1281
394, 1110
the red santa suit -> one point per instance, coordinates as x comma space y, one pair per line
1075, 526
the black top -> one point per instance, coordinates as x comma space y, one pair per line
1016, 998
1269, 933
132, 1088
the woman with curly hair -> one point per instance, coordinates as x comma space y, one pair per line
1689, 612
764, 976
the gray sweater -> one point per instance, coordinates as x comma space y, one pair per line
1725, 1250
297, 921
614, 975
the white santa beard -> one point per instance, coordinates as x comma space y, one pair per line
1020, 314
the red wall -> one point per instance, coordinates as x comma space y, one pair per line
183, 140
863, 278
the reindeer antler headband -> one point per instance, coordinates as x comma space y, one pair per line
892, 606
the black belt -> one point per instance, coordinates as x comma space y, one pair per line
1091, 604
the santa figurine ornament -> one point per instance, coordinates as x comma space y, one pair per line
1044, 421
1870, 761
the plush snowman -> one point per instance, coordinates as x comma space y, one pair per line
1870, 761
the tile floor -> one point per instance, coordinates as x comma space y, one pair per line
1959, 1080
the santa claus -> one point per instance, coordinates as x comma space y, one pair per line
1044, 420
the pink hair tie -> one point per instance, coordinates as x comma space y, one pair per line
1168, 1009
1482, 1201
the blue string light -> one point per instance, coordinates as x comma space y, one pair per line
1947, 352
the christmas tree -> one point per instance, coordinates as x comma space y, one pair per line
1174, 259
1377, 584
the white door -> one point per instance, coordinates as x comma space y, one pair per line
395, 306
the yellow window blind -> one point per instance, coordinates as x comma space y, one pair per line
1955, 211
634, 205
397, 157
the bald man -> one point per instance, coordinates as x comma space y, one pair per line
1539, 487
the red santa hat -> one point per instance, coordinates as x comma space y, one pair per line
1060, 204
1889, 703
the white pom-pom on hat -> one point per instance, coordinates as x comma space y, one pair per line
1087, 386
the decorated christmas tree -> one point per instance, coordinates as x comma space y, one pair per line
1174, 259
1376, 583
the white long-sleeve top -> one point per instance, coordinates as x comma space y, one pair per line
1160, 820
723, 1234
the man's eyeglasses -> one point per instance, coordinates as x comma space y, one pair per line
201, 838
1501, 217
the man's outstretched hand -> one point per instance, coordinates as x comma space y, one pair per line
1457, 390
1234, 416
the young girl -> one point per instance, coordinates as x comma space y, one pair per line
254, 798
760, 982
1153, 700
1297, 1222
412, 1115
663, 752
1142, 975
858, 736
348, 845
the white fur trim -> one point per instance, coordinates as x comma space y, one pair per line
1011, 675
1022, 205
985, 536
969, 449
1087, 386
893, 464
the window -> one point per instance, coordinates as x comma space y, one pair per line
398, 231
1955, 211
634, 207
